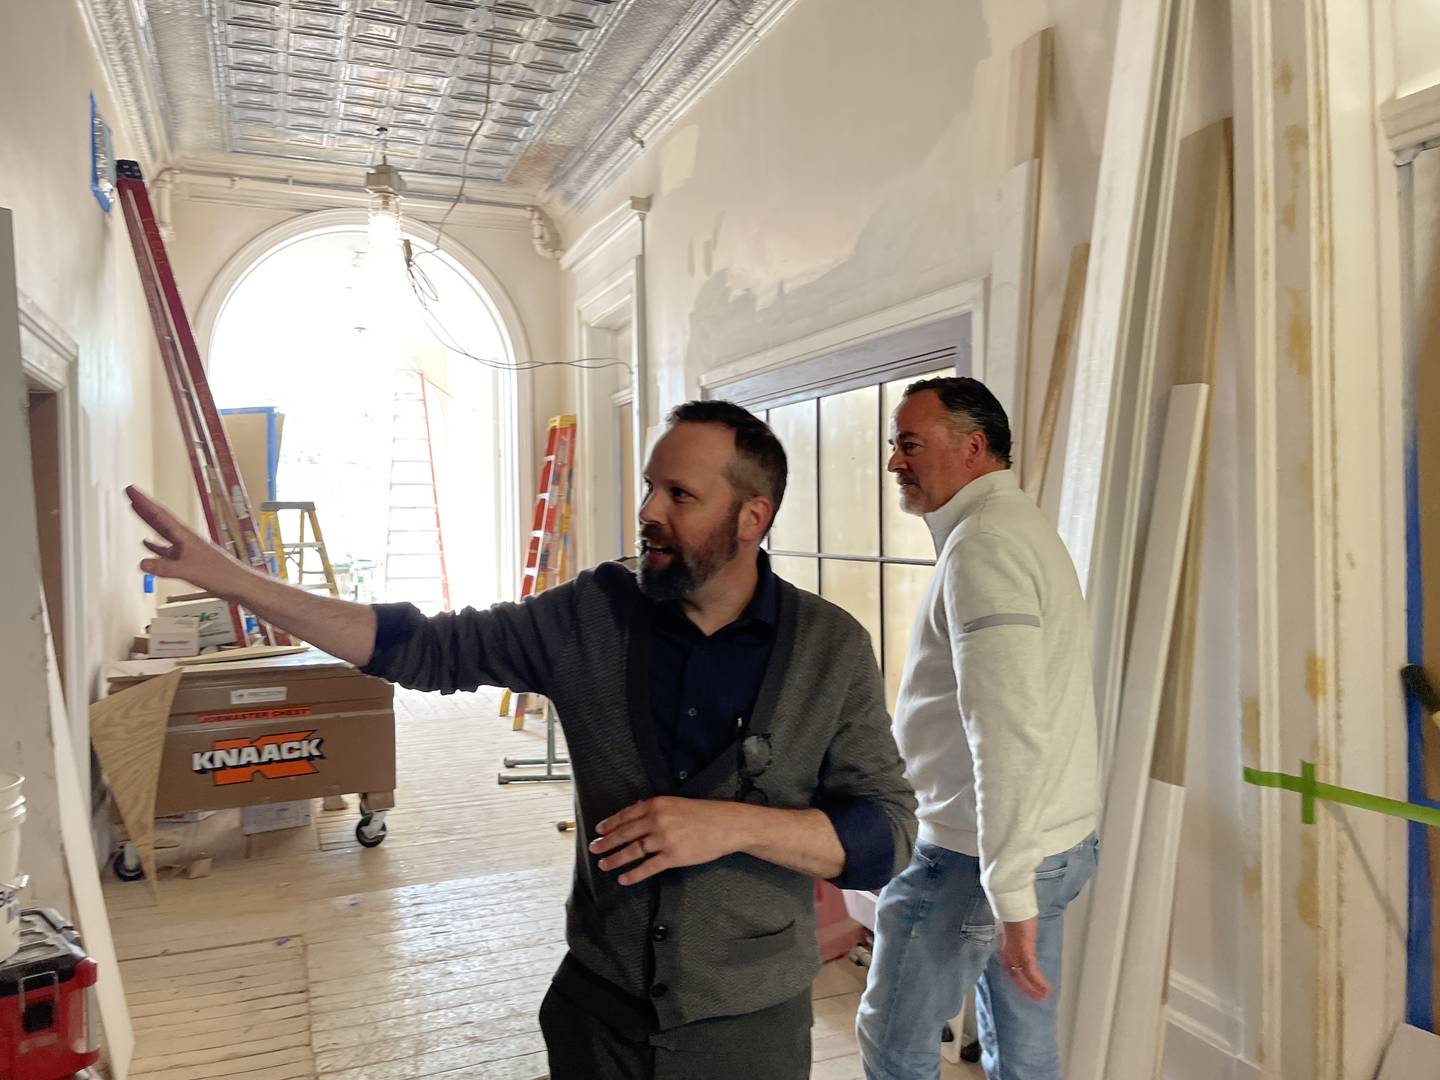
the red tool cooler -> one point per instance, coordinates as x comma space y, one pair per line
46, 1013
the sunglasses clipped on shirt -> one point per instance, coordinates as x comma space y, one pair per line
755, 757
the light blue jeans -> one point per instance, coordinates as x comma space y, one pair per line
934, 941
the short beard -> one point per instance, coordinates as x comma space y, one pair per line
912, 500
686, 573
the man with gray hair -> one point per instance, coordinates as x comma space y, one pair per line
996, 722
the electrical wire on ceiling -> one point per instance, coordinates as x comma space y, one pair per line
442, 334
470, 142
423, 288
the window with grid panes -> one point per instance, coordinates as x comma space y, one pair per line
840, 531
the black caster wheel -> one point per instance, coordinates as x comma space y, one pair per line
365, 839
123, 872
970, 1052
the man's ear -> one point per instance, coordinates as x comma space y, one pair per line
976, 447
756, 514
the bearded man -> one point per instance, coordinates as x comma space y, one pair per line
729, 744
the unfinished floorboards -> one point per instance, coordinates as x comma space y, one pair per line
425, 957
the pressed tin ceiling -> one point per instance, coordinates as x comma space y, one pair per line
564, 92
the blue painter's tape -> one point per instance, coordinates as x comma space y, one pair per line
1420, 965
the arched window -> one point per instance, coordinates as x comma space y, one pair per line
398, 404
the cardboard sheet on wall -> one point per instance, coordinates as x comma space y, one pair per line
254, 436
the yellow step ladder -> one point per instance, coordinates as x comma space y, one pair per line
289, 558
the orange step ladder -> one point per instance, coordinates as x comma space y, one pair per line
546, 556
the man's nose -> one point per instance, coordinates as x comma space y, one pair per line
894, 464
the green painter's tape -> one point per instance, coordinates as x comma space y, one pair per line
1309, 790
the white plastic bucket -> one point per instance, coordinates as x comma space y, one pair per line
10, 790
11, 882
10, 822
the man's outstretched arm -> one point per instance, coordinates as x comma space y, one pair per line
340, 627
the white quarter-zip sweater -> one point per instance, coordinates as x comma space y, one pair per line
996, 713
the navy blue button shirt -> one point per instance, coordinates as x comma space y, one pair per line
702, 691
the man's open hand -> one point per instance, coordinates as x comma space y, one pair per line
667, 832
1017, 956
186, 554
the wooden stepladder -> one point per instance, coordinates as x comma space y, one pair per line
546, 554
228, 514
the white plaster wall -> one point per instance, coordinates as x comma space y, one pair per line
1417, 44
76, 264
848, 163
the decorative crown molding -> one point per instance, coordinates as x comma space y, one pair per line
544, 234
1411, 121
200, 180
120, 34
613, 227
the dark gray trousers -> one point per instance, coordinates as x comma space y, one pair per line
592, 1041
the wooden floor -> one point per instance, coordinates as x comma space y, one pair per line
303, 955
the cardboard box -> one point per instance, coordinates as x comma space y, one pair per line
214, 615
173, 635
275, 816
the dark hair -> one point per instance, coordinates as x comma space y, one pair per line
972, 404
759, 466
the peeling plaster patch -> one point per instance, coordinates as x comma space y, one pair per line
1307, 893
1250, 729
1285, 77
1297, 142
1297, 334
777, 246
677, 158
712, 243
1317, 677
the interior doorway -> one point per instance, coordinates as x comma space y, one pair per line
45, 468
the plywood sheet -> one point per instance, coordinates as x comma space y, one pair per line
1012, 274
1037, 463
249, 435
1031, 65
127, 730
249, 652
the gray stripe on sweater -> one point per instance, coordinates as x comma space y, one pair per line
1013, 618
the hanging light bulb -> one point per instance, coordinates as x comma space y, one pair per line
387, 188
